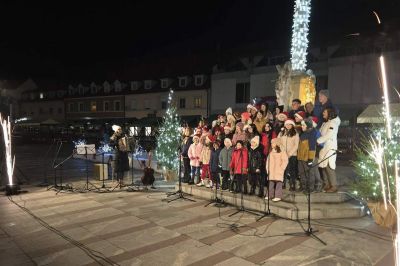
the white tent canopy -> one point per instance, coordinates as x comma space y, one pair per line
373, 114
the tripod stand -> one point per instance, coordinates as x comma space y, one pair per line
310, 231
217, 202
267, 212
241, 208
180, 194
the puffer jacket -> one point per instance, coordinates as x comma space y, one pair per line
256, 159
276, 165
289, 144
225, 157
214, 160
194, 154
239, 162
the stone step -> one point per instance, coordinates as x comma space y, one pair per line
300, 197
291, 210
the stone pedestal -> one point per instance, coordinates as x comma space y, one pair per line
302, 87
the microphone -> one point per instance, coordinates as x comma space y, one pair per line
337, 151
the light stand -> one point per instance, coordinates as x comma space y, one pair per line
310, 231
180, 194
241, 208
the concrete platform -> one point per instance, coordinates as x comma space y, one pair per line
293, 205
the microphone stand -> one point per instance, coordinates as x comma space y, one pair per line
267, 211
179, 192
310, 231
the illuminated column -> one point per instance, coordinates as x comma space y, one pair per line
301, 18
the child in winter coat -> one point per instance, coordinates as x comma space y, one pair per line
239, 134
289, 144
275, 166
309, 177
194, 154
225, 157
205, 162
266, 136
239, 168
256, 164
214, 165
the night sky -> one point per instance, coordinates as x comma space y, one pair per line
73, 41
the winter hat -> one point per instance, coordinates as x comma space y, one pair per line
249, 106
205, 129
228, 111
324, 92
211, 138
214, 123
282, 116
256, 139
240, 125
245, 116
228, 142
315, 121
300, 115
289, 122
115, 127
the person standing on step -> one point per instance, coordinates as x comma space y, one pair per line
194, 154
276, 164
289, 145
186, 142
256, 164
306, 157
327, 156
239, 168
225, 157
205, 162
214, 165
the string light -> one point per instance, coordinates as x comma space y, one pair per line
301, 19
168, 140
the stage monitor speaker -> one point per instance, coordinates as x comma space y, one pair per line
98, 171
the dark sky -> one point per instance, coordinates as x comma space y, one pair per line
71, 39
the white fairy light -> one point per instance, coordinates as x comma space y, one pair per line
10, 160
301, 19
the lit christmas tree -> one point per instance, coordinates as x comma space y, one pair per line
375, 165
301, 18
169, 138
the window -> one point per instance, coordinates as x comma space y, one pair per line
93, 106
164, 104
197, 102
51, 110
182, 82
182, 103
117, 106
71, 107
164, 84
60, 111
147, 84
134, 131
81, 107
106, 106
243, 92
198, 81
41, 96
147, 131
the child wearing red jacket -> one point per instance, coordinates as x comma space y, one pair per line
239, 168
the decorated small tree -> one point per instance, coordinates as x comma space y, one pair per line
168, 140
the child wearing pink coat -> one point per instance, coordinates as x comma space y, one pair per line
194, 154
276, 164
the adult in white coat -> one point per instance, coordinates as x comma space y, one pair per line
327, 155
